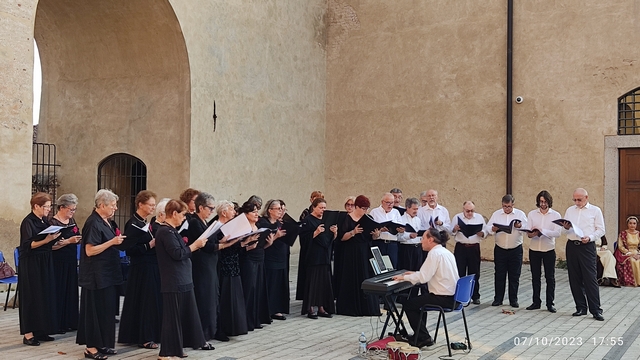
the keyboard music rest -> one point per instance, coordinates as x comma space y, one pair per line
384, 284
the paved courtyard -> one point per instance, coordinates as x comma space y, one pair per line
535, 334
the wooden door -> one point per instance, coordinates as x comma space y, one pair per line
629, 194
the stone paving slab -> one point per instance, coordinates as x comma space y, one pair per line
535, 334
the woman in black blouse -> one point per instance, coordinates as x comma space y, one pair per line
99, 277
276, 256
142, 309
252, 274
318, 294
65, 264
36, 285
180, 321
233, 312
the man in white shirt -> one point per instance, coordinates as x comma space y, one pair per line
507, 253
584, 226
410, 248
398, 204
439, 271
467, 249
433, 213
542, 250
385, 241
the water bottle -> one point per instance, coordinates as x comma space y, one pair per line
362, 348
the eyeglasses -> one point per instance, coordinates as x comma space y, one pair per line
46, 207
388, 202
349, 204
275, 208
577, 200
468, 211
71, 210
210, 208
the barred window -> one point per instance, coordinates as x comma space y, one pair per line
629, 113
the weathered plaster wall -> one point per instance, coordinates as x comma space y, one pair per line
263, 62
115, 79
16, 68
416, 98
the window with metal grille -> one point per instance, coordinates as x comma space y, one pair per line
629, 113
44, 170
126, 176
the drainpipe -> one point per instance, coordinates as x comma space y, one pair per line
509, 97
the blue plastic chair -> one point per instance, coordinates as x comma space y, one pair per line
462, 297
11, 280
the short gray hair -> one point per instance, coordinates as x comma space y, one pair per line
222, 206
67, 200
424, 193
161, 205
104, 197
204, 199
410, 202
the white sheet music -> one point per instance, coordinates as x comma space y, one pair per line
185, 226
236, 227
51, 229
211, 229
144, 228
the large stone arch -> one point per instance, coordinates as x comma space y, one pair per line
115, 79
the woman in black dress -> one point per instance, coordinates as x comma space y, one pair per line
233, 312
36, 285
276, 261
355, 245
180, 321
99, 277
337, 249
302, 274
205, 266
188, 196
65, 264
252, 274
142, 309
318, 294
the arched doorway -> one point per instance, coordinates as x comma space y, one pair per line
115, 80
126, 176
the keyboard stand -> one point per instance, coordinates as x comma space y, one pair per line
392, 313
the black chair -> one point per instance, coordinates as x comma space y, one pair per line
462, 297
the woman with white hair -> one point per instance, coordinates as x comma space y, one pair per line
99, 277
65, 264
160, 217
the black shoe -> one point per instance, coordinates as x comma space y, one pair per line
533, 307
551, 309
61, 332
258, 327
96, 355
325, 315
580, 313
598, 317
312, 316
514, 304
44, 338
221, 337
107, 351
476, 301
207, 346
278, 317
31, 342
422, 343
496, 303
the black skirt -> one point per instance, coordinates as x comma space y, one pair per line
233, 312
318, 291
180, 324
37, 290
255, 293
97, 324
206, 290
141, 318
277, 290
67, 294
410, 257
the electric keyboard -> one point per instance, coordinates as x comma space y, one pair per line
384, 284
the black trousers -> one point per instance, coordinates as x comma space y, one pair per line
581, 265
508, 262
388, 248
468, 261
547, 259
412, 309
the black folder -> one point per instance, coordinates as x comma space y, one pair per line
506, 228
468, 230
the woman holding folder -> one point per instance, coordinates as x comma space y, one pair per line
318, 294
142, 309
276, 260
355, 245
36, 286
